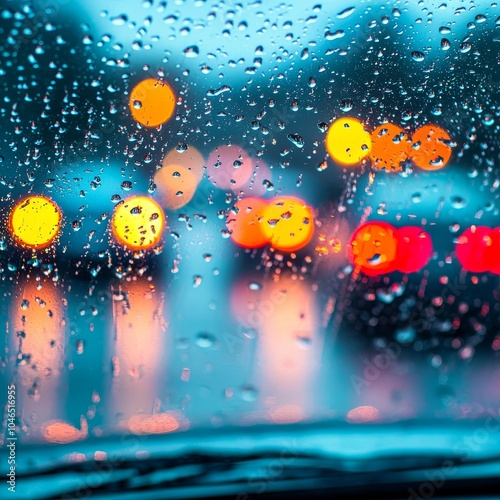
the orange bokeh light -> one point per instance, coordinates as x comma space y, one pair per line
160, 423
175, 186
430, 147
246, 222
190, 159
373, 248
390, 147
152, 102
60, 432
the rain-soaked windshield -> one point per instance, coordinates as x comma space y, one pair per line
226, 215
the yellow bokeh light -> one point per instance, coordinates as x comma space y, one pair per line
152, 102
347, 141
35, 222
288, 223
138, 223
175, 186
191, 159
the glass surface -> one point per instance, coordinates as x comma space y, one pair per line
232, 216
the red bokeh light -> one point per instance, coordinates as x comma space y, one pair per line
414, 249
493, 253
474, 247
379, 248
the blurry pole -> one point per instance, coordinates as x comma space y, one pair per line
289, 350
138, 349
36, 331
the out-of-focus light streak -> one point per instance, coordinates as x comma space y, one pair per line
37, 336
138, 351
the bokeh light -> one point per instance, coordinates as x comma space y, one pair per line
161, 423
430, 147
493, 253
229, 167
191, 159
373, 248
60, 432
138, 223
363, 414
260, 181
175, 186
152, 102
414, 249
287, 414
390, 147
472, 249
347, 141
246, 222
35, 222
288, 223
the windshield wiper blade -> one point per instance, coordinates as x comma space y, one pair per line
212, 476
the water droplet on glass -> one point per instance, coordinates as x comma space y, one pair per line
417, 56
296, 140
119, 20
346, 105
254, 286
458, 202
191, 51
205, 340
346, 12
248, 393
465, 47
335, 35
